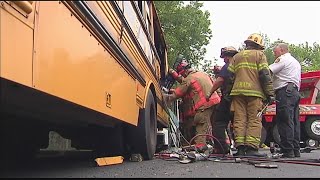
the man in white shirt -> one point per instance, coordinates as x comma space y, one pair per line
286, 72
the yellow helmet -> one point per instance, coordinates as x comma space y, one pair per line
256, 39
229, 50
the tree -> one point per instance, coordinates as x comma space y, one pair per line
207, 66
308, 56
186, 30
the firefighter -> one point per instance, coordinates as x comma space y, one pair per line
286, 82
222, 115
251, 79
196, 109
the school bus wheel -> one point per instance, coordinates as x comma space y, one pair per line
144, 136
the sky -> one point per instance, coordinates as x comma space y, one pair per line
232, 22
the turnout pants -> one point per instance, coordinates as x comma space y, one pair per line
198, 124
247, 126
287, 118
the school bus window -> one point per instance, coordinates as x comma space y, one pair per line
120, 4
148, 21
147, 9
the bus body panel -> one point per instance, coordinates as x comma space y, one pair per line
84, 69
16, 44
71, 64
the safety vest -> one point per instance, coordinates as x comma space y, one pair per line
193, 90
246, 66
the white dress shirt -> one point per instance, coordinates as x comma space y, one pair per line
285, 69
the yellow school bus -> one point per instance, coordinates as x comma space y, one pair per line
89, 70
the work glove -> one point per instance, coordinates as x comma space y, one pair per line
165, 97
171, 71
208, 97
168, 98
171, 91
271, 99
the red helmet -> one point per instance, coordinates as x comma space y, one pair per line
182, 66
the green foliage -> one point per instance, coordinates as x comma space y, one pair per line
308, 56
186, 30
207, 66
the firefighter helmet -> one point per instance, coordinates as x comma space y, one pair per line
182, 66
216, 69
256, 39
228, 51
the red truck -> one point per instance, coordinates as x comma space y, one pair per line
309, 113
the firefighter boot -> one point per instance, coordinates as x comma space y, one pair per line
218, 150
254, 152
296, 153
288, 153
241, 151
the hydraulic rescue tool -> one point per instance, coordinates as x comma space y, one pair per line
173, 76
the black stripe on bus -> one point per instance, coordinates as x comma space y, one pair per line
89, 15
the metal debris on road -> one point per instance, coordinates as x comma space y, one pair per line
136, 158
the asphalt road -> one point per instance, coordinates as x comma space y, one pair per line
81, 165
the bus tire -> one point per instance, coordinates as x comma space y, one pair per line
312, 127
144, 136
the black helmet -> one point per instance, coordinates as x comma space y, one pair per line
229, 51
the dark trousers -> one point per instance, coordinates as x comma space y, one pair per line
287, 118
220, 123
